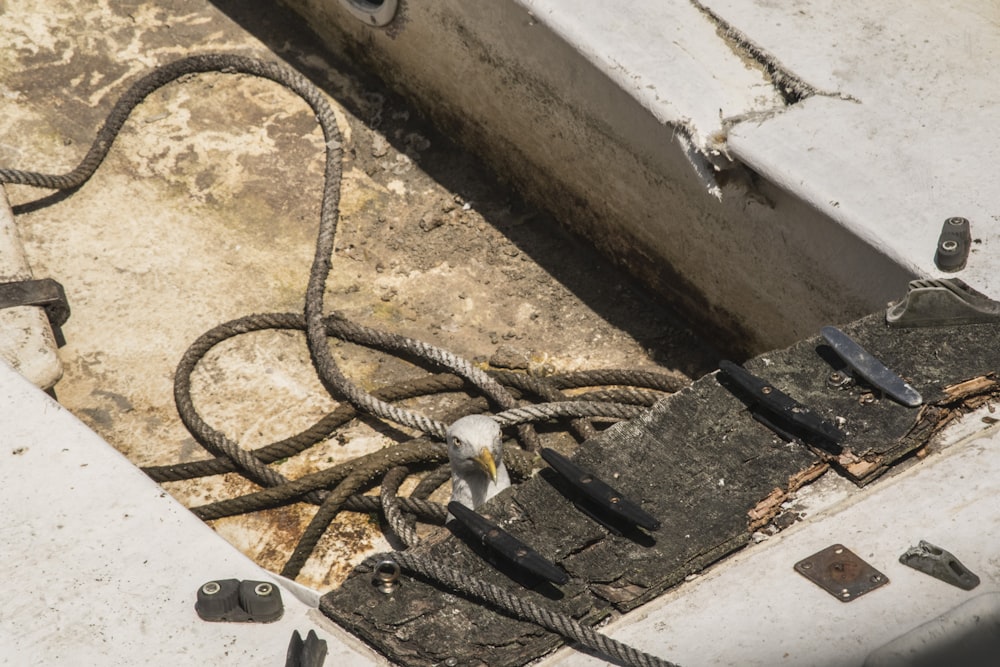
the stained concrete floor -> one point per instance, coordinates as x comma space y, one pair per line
206, 210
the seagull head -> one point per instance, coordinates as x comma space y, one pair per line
475, 450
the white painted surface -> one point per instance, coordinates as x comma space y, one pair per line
101, 566
897, 138
914, 143
666, 55
754, 609
642, 119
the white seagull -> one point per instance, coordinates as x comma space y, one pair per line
476, 454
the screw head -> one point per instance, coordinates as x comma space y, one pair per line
211, 588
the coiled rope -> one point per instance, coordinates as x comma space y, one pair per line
391, 463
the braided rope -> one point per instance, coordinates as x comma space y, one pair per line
630, 395
391, 508
548, 411
419, 450
431, 482
633, 378
425, 510
548, 392
349, 478
318, 432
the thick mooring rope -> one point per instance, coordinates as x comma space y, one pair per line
338, 488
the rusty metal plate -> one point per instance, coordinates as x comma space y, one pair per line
841, 573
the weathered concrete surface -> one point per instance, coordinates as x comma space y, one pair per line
206, 210
709, 471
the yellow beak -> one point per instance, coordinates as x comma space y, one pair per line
486, 462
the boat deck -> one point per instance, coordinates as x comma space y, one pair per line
788, 166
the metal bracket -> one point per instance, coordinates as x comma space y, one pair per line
239, 601
841, 573
45, 293
506, 545
940, 564
598, 495
870, 369
942, 302
385, 576
954, 245
785, 416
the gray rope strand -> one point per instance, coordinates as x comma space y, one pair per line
427, 511
633, 378
357, 333
415, 451
391, 507
431, 482
541, 387
549, 411
521, 608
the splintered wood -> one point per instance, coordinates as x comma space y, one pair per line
697, 461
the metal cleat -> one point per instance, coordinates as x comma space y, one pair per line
870, 369
940, 564
942, 302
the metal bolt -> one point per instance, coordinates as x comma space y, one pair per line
838, 379
845, 593
949, 246
766, 390
807, 566
386, 575
211, 588
957, 221
263, 589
